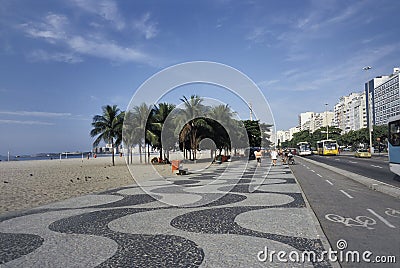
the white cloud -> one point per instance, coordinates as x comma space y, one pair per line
105, 49
345, 14
267, 83
347, 75
25, 122
108, 10
146, 27
54, 30
34, 113
257, 35
41, 55
296, 56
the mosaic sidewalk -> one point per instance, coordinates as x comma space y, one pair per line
226, 224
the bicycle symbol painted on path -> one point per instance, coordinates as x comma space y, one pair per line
392, 212
359, 221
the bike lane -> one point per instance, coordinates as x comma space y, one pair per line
352, 216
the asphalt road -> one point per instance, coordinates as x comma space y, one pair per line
376, 167
347, 210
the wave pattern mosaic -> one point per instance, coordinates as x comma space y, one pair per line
127, 228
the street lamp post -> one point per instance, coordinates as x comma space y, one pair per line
370, 114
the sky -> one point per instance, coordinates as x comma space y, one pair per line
61, 61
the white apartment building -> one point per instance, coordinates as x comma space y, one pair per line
350, 112
282, 136
386, 98
286, 135
359, 112
315, 120
321, 120
292, 131
304, 119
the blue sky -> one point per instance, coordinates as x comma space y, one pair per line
60, 61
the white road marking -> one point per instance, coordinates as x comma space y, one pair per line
376, 166
312, 170
346, 194
337, 159
329, 182
359, 221
352, 190
319, 175
381, 218
353, 162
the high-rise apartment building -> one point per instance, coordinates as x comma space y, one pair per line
292, 131
321, 120
350, 112
370, 96
282, 136
386, 99
312, 121
304, 119
358, 108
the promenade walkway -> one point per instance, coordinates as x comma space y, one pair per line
220, 221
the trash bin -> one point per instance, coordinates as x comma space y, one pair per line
175, 165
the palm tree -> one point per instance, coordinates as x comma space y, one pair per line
193, 115
130, 136
139, 124
108, 127
222, 114
160, 115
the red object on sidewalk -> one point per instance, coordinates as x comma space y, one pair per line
175, 165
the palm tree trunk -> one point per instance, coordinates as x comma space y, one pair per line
131, 154
148, 153
145, 153
140, 152
127, 153
112, 148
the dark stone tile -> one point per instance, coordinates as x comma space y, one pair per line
13, 246
134, 250
222, 221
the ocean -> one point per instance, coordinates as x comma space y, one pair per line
46, 157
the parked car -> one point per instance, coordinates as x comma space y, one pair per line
362, 153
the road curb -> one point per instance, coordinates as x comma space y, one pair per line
370, 183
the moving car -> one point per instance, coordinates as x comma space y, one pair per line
362, 153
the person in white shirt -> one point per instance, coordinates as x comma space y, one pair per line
274, 156
257, 154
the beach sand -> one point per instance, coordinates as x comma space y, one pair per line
28, 184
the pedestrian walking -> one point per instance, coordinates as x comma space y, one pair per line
257, 154
274, 157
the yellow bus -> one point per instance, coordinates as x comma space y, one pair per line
327, 147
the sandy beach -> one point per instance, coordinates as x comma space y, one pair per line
27, 184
